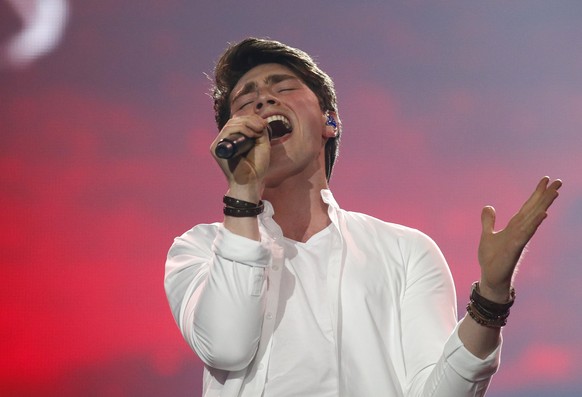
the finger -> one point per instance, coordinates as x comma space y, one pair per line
555, 185
488, 219
250, 126
256, 124
550, 194
540, 188
537, 197
539, 212
543, 182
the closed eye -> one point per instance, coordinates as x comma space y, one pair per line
243, 101
286, 85
244, 104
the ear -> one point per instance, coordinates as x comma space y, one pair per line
332, 124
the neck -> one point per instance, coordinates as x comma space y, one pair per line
299, 208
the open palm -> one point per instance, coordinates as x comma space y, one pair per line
499, 252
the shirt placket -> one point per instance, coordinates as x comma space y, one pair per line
258, 373
334, 278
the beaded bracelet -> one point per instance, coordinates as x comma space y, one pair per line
486, 321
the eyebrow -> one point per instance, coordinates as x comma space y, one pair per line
270, 79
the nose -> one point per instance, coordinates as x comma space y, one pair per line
260, 104
265, 98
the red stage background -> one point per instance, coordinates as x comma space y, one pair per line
104, 159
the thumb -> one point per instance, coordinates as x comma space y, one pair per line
488, 219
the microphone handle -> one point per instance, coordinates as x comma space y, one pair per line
234, 145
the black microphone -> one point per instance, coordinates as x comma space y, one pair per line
235, 145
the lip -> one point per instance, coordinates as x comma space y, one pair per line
281, 140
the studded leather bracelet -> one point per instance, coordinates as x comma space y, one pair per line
240, 208
488, 313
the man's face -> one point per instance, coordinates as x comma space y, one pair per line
273, 91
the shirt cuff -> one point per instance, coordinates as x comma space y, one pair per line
240, 249
467, 365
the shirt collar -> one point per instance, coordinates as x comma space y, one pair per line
333, 210
326, 196
268, 211
333, 206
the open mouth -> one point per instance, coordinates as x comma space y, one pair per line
278, 126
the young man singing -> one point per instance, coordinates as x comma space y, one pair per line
290, 295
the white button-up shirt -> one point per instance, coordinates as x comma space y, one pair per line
391, 301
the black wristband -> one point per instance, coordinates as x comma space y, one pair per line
497, 309
236, 203
244, 212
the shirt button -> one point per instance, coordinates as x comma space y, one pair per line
261, 366
269, 316
276, 268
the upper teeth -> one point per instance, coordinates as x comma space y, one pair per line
284, 119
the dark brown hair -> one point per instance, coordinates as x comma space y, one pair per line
241, 57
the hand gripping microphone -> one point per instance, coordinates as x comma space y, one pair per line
234, 145
238, 144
